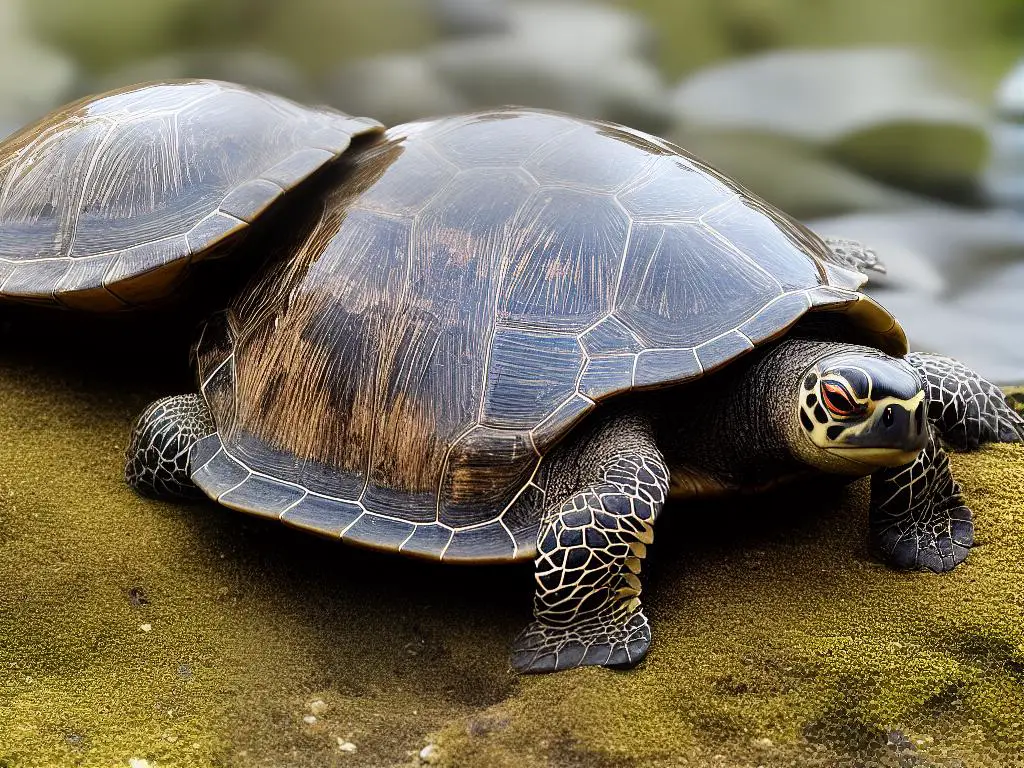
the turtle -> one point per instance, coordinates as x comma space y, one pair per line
515, 335
107, 203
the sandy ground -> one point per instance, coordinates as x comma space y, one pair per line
181, 635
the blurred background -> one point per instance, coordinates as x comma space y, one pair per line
898, 123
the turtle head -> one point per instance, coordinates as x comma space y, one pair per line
860, 410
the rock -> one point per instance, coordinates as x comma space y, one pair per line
1004, 177
895, 114
955, 278
393, 89
309, 719
346, 746
146, 627
318, 706
430, 754
794, 176
585, 59
469, 18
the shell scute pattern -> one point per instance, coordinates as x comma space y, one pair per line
105, 203
471, 288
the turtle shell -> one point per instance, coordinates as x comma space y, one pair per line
105, 203
472, 288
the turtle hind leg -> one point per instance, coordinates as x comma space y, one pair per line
918, 519
966, 409
156, 462
590, 548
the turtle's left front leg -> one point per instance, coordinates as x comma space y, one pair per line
918, 519
590, 548
156, 462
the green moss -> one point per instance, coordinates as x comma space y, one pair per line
779, 640
1016, 397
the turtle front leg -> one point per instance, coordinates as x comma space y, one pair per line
157, 456
918, 519
589, 551
966, 409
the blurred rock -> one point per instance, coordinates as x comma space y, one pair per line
894, 114
33, 77
392, 89
955, 280
589, 60
258, 69
791, 174
1004, 178
467, 18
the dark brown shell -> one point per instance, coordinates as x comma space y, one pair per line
468, 292
106, 202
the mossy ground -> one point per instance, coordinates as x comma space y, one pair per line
779, 639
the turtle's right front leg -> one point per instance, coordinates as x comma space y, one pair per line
157, 456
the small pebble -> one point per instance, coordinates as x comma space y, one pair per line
145, 627
317, 707
346, 746
430, 754
309, 719
139, 762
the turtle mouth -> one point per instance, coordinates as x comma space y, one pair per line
895, 434
876, 457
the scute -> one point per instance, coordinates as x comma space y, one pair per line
144, 181
473, 288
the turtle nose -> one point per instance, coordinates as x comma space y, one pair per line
902, 428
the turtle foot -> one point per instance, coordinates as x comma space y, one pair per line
545, 648
918, 517
938, 547
156, 462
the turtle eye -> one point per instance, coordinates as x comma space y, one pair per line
839, 401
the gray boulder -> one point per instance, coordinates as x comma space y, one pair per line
955, 280
589, 60
469, 18
1004, 177
894, 114
797, 177
393, 89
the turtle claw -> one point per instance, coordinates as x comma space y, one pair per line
545, 648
